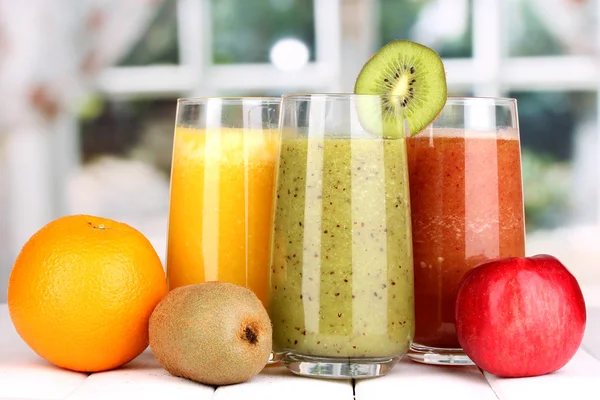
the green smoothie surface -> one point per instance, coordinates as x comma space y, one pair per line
342, 267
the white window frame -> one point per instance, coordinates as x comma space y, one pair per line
197, 75
339, 56
488, 73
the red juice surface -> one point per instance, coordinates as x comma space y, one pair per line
467, 207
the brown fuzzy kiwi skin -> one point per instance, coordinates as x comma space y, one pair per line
215, 333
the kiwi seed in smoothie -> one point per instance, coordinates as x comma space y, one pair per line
341, 272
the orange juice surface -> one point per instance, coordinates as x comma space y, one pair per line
220, 207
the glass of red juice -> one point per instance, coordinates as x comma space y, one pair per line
466, 195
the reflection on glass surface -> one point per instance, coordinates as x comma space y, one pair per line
342, 247
245, 31
551, 27
442, 25
466, 206
558, 137
221, 193
159, 44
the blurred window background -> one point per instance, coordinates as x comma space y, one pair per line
104, 145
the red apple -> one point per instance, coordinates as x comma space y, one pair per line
521, 316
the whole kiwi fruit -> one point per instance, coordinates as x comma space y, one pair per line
215, 333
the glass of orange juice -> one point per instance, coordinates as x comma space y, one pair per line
224, 156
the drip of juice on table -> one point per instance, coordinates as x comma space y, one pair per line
220, 207
467, 207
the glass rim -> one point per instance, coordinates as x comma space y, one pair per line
451, 100
488, 100
196, 100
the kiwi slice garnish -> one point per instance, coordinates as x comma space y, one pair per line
411, 79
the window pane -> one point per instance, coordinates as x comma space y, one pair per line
159, 44
444, 25
551, 27
245, 31
129, 128
460, 92
558, 139
261, 92
126, 147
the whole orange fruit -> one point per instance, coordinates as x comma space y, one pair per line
82, 290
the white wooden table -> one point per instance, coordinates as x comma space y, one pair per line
24, 375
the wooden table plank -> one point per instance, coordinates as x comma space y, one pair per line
143, 378
413, 380
277, 383
579, 379
33, 380
23, 374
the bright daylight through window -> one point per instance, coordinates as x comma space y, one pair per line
516, 48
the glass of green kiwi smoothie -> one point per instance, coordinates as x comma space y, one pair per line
341, 292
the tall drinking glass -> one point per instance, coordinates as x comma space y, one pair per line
467, 207
223, 169
341, 289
